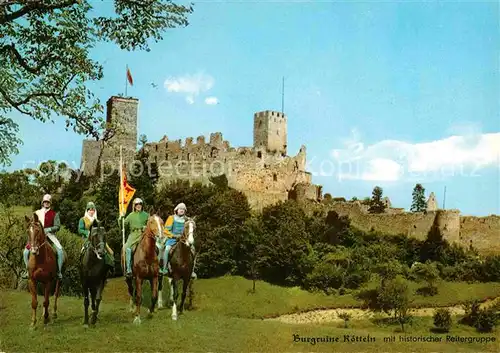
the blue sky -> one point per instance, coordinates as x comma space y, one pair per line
380, 93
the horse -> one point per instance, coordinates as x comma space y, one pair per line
145, 265
42, 268
181, 266
93, 271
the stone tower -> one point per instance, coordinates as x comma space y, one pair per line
270, 132
121, 117
432, 204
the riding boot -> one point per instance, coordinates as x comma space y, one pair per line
26, 255
59, 263
164, 270
128, 261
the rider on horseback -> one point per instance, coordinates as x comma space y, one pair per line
174, 227
84, 230
137, 221
51, 224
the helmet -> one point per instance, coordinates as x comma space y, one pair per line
137, 201
179, 206
90, 205
46, 197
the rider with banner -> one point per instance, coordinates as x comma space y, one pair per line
136, 222
51, 223
174, 227
84, 225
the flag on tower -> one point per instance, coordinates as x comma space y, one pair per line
129, 77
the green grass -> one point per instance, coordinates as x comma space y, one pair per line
221, 321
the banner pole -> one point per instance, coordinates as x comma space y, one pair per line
123, 198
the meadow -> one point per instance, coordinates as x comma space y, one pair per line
228, 316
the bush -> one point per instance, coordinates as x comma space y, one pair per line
471, 308
344, 316
442, 319
324, 276
490, 269
486, 320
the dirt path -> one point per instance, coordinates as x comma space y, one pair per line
331, 315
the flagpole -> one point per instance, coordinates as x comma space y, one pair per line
123, 196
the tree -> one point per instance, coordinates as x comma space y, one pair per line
418, 204
376, 203
394, 297
429, 273
144, 176
45, 57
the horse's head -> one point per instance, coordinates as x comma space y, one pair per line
97, 239
189, 228
154, 227
36, 235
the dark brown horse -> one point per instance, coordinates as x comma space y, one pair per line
182, 263
93, 271
145, 265
42, 268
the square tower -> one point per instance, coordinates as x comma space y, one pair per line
122, 118
270, 131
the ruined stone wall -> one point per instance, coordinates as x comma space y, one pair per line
483, 231
90, 155
263, 176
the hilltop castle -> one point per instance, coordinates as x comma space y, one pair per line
266, 175
263, 172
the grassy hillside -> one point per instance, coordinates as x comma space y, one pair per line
226, 318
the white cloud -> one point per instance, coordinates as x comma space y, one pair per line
392, 160
211, 100
190, 85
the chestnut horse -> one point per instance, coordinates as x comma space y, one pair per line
42, 268
181, 262
145, 265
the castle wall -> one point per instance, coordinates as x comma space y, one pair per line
483, 231
90, 155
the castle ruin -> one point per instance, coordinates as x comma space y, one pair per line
263, 172
266, 174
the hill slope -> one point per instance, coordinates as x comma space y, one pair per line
222, 321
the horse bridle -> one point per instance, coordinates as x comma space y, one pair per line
94, 248
31, 229
184, 237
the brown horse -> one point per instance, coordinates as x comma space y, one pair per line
145, 265
182, 263
42, 268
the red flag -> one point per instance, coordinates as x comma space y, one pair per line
129, 77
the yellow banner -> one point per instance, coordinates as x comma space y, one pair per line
125, 195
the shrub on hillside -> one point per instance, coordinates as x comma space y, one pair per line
490, 269
442, 319
325, 276
471, 309
487, 320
